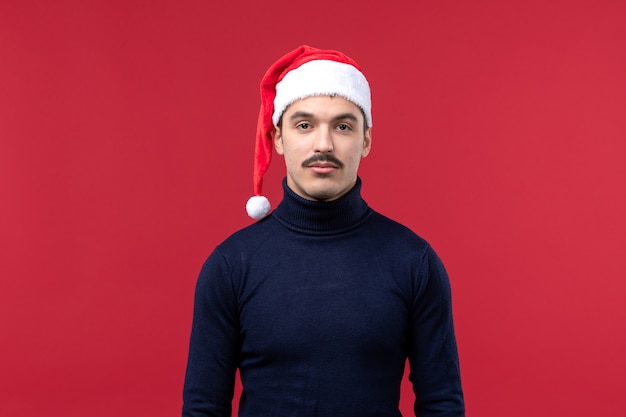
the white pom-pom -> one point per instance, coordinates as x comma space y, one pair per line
258, 206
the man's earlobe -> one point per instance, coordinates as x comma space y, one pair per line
367, 142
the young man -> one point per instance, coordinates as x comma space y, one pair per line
320, 303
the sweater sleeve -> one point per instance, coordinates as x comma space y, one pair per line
433, 357
214, 343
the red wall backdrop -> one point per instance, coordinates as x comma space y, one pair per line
126, 140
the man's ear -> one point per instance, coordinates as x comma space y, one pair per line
367, 142
278, 140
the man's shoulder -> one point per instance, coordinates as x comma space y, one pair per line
394, 229
250, 236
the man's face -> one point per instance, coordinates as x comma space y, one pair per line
322, 139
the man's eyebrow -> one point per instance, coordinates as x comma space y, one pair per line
344, 116
301, 115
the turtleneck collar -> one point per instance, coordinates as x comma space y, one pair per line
322, 217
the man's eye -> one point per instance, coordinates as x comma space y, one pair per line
303, 125
343, 126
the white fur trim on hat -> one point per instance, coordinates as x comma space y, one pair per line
319, 78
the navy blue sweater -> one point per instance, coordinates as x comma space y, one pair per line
319, 305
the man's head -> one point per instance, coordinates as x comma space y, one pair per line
322, 139
316, 112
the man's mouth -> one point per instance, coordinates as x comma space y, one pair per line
322, 165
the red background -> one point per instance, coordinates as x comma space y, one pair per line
126, 141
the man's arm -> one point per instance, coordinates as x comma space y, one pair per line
214, 344
433, 356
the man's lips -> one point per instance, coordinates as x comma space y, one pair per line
320, 168
323, 165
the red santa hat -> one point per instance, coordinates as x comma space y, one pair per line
303, 72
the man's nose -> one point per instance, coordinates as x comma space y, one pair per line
323, 141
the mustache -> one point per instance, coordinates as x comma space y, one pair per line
322, 158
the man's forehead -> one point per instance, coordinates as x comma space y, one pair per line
324, 104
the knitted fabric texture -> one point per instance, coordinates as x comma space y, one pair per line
319, 305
